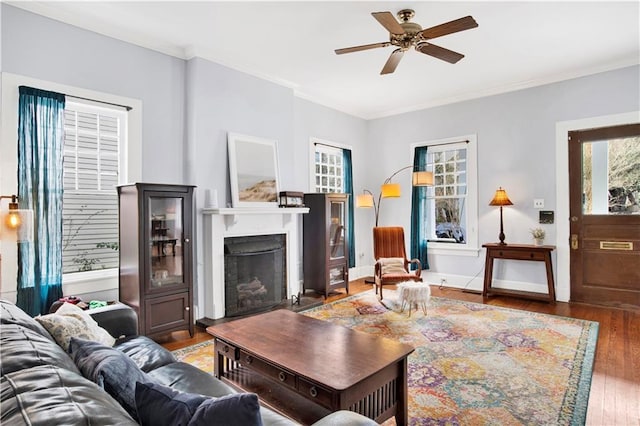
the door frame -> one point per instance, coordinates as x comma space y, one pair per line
563, 290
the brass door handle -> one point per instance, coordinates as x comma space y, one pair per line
574, 241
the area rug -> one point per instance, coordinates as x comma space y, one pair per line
473, 364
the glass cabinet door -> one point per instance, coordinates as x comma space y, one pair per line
166, 227
337, 229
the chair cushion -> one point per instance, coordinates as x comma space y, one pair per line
392, 265
71, 321
161, 405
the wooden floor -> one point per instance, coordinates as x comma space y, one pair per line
615, 387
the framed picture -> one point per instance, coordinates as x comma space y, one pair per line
253, 171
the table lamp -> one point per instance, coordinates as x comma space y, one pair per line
501, 199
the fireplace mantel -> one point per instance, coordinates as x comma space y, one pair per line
220, 223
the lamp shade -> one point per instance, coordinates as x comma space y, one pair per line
422, 179
20, 222
364, 200
390, 190
500, 198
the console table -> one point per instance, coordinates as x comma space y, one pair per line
519, 252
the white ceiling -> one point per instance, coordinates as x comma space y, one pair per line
516, 45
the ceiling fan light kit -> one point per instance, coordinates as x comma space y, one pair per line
406, 34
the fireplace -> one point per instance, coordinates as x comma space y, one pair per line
220, 227
255, 277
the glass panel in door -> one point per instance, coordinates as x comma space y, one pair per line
336, 229
611, 176
166, 235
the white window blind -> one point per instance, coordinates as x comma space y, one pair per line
93, 139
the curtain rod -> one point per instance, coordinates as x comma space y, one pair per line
128, 108
445, 143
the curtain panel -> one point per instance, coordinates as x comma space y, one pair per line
348, 188
40, 174
419, 212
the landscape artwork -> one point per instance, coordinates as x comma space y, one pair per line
253, 171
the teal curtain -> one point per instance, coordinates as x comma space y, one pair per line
419, 212
40, 154
348, 189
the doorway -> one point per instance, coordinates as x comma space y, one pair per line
604, 207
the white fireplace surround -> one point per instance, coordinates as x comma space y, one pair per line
242, 222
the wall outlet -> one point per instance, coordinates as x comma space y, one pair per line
538, 203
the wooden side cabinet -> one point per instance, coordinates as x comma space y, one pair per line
157, 255
325, 242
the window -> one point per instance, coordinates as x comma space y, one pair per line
450, 207
329, 169
94, 136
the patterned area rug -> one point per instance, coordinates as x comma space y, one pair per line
474, 364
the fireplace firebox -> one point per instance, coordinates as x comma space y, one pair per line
255, 273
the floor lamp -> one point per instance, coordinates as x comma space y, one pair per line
390, 190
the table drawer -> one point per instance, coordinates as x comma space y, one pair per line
315, 393
517, 254
268, 370
228, 350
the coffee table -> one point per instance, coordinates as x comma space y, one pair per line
307, 368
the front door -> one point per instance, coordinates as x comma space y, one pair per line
604, 191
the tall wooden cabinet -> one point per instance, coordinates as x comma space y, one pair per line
325, 242
157, 255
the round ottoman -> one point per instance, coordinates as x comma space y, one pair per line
413, 293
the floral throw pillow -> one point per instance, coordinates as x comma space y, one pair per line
71, 321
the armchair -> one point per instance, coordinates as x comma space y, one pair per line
392, 265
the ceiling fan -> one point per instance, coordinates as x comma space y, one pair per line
407, 34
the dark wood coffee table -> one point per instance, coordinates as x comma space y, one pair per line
290, 360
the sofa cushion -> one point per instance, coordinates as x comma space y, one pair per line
71, 321
147, 354
11, 314
22, 347
109, 368
160, 405
47, 395
185, 377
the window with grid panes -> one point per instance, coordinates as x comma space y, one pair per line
447, 198
93, 139
329, 169
450, 209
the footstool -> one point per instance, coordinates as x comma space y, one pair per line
413, 294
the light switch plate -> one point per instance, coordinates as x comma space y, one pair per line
538, 203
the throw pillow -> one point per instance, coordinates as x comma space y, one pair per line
71, 321
111, 369
392, 265
161, 405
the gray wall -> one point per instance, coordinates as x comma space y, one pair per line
516, 150
42, 48
188, 106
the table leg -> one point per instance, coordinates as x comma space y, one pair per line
550, 281
488, 274
402, 412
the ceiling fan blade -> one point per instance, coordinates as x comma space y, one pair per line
389, 22
392, 62
439, 52
461, 24
363, 47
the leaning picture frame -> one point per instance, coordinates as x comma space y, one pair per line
253, 171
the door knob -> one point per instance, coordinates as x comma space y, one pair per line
574, 241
